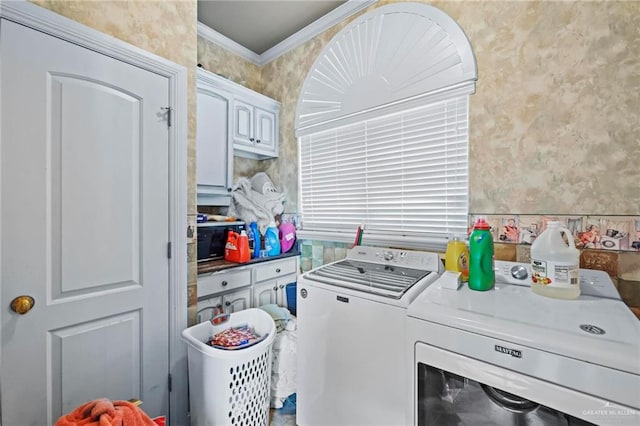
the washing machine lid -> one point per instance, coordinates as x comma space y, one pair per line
382, 279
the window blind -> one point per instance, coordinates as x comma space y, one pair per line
400, 174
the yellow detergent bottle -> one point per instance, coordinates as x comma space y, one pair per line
456, 257
555, 264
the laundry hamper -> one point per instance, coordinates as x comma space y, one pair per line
230, 387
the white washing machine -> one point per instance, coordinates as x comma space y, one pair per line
351, 334
511, 357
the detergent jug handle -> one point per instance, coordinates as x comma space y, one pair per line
569, 236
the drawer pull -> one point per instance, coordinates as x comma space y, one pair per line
278, 270
224, 283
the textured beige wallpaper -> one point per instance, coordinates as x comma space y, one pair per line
555, 120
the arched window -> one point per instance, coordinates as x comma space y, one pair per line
383, 130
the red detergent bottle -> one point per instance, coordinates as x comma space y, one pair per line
237, 247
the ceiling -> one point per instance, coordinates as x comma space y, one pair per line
259, 25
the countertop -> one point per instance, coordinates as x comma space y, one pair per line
206, 267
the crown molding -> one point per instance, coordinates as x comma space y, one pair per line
315, 28
224, 41
332, 18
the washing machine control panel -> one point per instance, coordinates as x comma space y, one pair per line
407, 258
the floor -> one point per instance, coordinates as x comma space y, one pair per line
278, 419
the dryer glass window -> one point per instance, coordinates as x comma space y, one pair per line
446, 399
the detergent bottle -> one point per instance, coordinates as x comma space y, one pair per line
237, 247
272, 240
457, 257
555, 263
256, 239
482, 275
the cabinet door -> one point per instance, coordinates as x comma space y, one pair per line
265, 130
207, 308
243, 123
281, 295
214, 146
264, 294
236, 301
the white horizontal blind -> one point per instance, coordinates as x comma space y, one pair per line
405, 173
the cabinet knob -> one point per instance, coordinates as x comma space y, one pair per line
227, 303
281, 285
224, 283
228, 189
277, 270
275, 288
251, 139
258, 141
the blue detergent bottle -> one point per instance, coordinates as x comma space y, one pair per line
256, 239
272, 240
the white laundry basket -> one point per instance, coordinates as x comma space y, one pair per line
230, 387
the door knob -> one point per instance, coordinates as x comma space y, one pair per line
22, 304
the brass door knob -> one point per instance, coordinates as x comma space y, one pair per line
22, 304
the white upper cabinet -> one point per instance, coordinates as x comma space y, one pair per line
253, 118
231, 120
255, 127
214, 144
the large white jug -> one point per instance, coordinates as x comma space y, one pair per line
554, 264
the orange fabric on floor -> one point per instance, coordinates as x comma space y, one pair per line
103, 412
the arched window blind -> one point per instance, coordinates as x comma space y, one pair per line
395, 161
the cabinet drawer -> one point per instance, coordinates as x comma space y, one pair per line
275, 269
223, 281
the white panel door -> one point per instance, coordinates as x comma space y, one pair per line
84, 224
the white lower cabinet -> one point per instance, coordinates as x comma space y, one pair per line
229, 291
230, 302
237, 300
270, 280
263, 294
255, 285
207, 308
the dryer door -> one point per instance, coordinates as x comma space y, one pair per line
451, 389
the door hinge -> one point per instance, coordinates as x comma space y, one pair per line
169, 111
169, 250
169, 382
